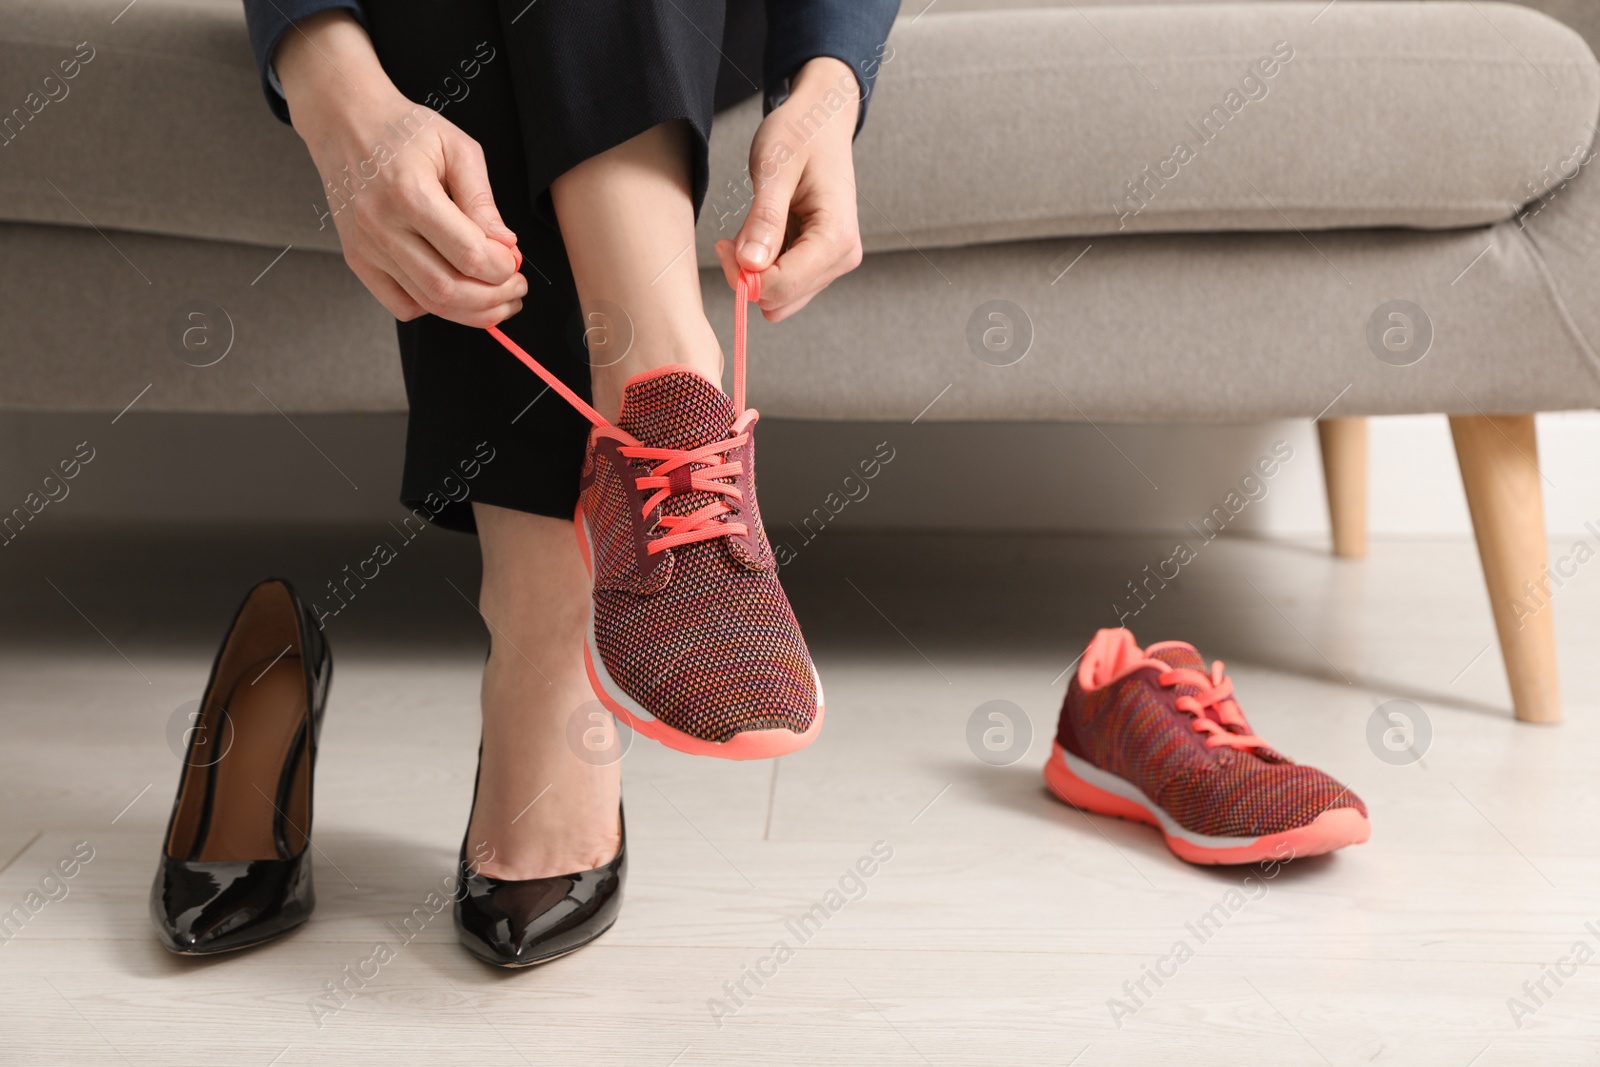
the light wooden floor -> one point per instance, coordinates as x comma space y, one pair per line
997, 933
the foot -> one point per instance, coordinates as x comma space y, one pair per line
522, 922
541, 811
544, 857
693, 640
1151, 735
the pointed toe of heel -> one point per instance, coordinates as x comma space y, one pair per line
514, 924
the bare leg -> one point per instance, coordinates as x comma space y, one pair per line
541, 810
628, 223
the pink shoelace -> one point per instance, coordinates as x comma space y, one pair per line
704, 469
1216, 694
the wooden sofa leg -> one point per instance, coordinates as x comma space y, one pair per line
1344, 471
1499, 458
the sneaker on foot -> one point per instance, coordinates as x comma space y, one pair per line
692, 641
1151, 735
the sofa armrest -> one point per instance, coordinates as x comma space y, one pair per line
1581, 15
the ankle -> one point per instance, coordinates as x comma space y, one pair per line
693, 345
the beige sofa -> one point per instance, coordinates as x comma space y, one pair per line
1197, 212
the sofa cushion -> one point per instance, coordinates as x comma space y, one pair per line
1010, 124
162, 129
986, 125
1581, 15
1146, 328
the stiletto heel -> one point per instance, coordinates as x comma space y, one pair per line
235, 868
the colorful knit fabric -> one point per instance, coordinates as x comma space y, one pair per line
1133, 728
700, 635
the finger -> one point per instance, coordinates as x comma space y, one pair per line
466, 178
780, 313
388, 292
437, 279
436, 284
482, 320
494, 316
819, 255
761, 237
425, 208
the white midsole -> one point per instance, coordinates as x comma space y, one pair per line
1125, 789
612, 690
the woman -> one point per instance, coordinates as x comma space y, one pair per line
557, 162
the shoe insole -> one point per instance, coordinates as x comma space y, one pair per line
265, 713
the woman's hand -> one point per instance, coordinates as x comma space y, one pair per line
408, 191
801, 231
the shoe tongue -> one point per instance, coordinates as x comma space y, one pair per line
1179, 656
676, 409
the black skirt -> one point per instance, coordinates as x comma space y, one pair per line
541, 86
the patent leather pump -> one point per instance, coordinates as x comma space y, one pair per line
235, 868
521, 923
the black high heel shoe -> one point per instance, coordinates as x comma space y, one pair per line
521, 923
236, 865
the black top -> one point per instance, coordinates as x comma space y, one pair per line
851, 31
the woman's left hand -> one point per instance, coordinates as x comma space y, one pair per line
801, 232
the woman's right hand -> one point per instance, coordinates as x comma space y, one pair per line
408, 191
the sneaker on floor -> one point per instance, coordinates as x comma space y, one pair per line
692, 641
1151, 735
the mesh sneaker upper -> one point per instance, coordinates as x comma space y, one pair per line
1132, 727
700, 634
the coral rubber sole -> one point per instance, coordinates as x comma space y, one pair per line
1086, 786
751, 744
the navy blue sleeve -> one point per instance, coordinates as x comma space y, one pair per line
851, 31
268, 21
